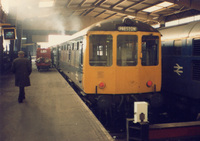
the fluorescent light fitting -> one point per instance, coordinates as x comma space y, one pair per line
5, 5
44, 4
158, 6
151, 9
165, 4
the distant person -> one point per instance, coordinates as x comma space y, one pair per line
22, 68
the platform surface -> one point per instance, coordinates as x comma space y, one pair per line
52, 111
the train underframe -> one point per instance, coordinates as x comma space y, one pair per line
181, 107
113, 109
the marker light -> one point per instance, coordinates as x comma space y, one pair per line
149, 83
102, 85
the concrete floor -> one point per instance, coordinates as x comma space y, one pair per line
52, 111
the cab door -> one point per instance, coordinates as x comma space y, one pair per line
150, 65
127, 69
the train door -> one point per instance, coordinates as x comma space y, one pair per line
127, 64
150, 67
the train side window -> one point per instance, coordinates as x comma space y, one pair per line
127, 48
69, 53
77, 45
150, 47
100, 50
81, 52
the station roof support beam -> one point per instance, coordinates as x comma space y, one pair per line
193, 4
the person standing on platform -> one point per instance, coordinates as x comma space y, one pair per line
22, 69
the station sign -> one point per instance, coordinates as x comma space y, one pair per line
9, 33
127, 28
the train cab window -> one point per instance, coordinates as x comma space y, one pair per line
100, 50
127, 46
150, 55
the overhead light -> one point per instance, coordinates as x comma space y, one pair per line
5, 5
158, 6
131, 17
44, 4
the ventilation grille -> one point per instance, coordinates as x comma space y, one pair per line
196, 70
196, 48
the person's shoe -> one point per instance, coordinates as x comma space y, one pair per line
20, 100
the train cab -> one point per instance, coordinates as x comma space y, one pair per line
122, 60
114, 61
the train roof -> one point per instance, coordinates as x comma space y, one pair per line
114, 24
119, 24
181, 31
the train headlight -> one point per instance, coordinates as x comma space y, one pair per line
102, 85
149, 83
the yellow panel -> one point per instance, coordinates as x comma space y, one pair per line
121, 79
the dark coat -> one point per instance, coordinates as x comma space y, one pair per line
22, 68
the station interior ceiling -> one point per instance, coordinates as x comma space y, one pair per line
44, 17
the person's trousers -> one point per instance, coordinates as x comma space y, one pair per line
21, 93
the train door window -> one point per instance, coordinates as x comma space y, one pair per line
150, 55
100, 50
127, 48
177, 47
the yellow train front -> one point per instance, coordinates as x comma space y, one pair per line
114, 62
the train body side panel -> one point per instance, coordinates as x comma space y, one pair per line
181, 72
153, 74
127, 80
94, 76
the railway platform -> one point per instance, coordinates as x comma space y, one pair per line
52, 111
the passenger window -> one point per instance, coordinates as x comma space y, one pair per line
100, 50
127, 46
150, 53
77, 45
69, 47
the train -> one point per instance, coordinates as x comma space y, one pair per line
181, 68
114, 63
43, 58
